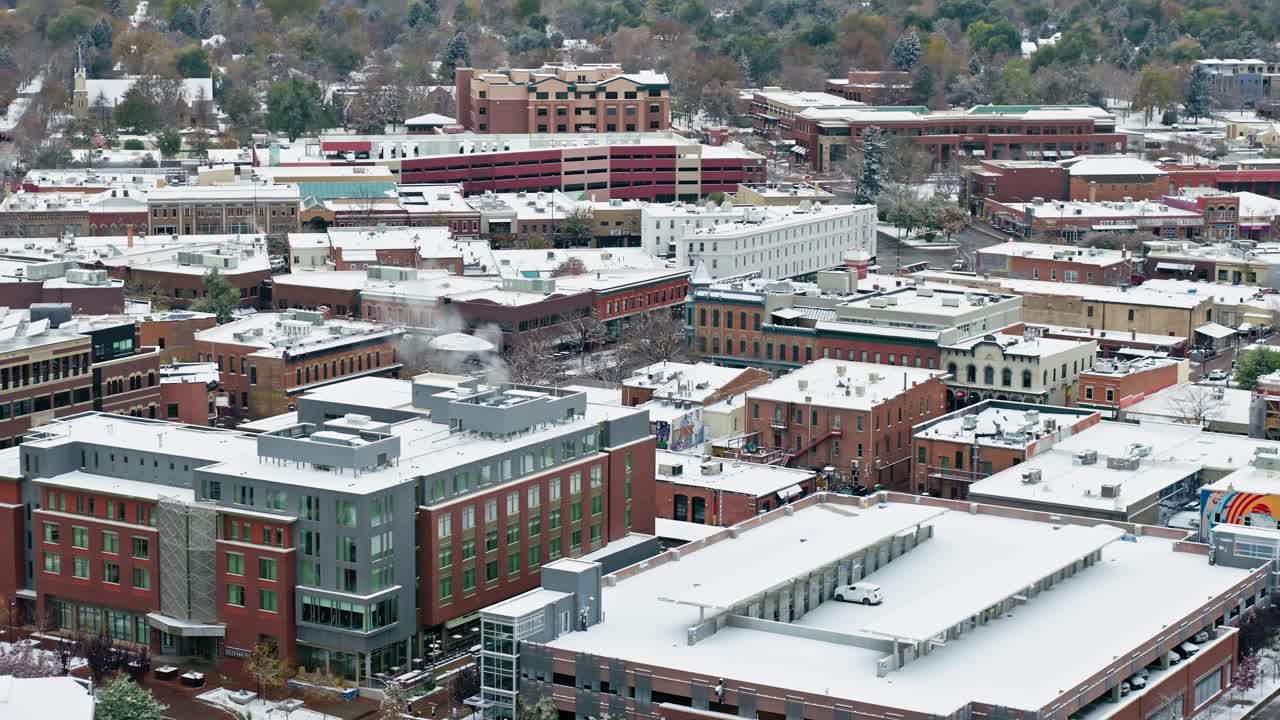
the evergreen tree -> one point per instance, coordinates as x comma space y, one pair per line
433, 7
907, 51
205, 24
221, 299
422, 16
1199, 94
924, 86
744, 68
249, 4
871, 182
123, 699
456, 53
184, 21
115, 8
101, 34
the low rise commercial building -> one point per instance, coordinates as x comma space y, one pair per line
957, 449
664, 225
1070, 220
267, 359
200, 542
1242, 262
1245, 79
772, 634
872, 87
1217, 408
855, 417
224, 209
1112, 386
1113, 343
173, 332
678, 395
782, 242
189, 392
720, 492
1062, 263
1019, 367
773, 110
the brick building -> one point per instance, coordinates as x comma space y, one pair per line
856, 417
86, 291
721, 492
1020, 367
1111, 386
563, 98
773, 110
173, 333
1063, 263
175, 270
514, 479
678, 396
188, 392
1070, 220
872, 87
669, 642
423, 247
224, 209
266, 360
952, 451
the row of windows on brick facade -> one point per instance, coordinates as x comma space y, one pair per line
533, 557
115, 510
80, 569
43, 371
837, 420
1006, 374
140, 547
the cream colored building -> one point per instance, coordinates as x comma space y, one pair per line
1022, 368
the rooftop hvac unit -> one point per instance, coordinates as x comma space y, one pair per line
1050, 424
1110, 490
1087, 457
803, 385
969, 422
670, 470
1031, 477
1123, 463
1032, 417
841, 370
713, 467
950, 301
924, 292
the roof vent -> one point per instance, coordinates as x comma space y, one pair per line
1031, 477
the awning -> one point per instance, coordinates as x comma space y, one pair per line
789, 492
1032, 153
185, 628
1051, 153
1175, 267
799, 150
347, 146
1067, 153
1117, 226
1215, 331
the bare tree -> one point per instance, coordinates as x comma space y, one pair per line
572, 265
1196, 404
466, 683
655, 337
527, 361
589, 331
105, 658
265, 666
395, 702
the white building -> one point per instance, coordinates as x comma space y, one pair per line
779, 242
1024, 368
662, 225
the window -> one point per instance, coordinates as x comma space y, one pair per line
266, 569
513, 563
80, 568
1207, 688
211, 489
446, 588
52, 562
309, 507
110, 543
535, 555
380, 510
491, 541
267, 600
575, 483
111, 572
491, 571
142, 578
346, 513
277, 500
350, 580
235, 595
491, 510
80, 538
243, 495
553, 519
597, 505
442, 526
235, 563
597, 475
444, 555
513, 504
534, 496
513, 534
468, 579
51, 532
553, 489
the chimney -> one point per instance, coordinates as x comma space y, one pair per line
1093, 191
129, 232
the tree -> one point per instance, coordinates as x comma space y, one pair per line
525, 361
168, 143
184, 21
906, 51
576, 229
263, 664
923, 86
457, 53
116, 9
420, 17
23, 662
123, 699
205, 24
572, 265
1158, 89
1246, 675
653, 337
588, 330
220, 298
466, 683
543, 709
954, 220
105, 658
139, 110
1199, 94
1253, 363
101, 34
192, 63
395, 702
1195, 405
293, 107
872, 179
992, 39
967, 91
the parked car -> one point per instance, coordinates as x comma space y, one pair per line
1201, 637
1137, 682
861, 592
1125, 688
1217, 375
1188, 649
1174, 657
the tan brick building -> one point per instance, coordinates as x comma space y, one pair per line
563, 98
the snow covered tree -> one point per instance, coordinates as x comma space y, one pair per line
872, 179
1199, 94
1246, 677
101, 34
184, 21
204, 26
395, 702
115, 8
907, 51
123, 699
419, 15
456, 53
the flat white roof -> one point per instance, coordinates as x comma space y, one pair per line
1103, 210
380, 392
826, 381
755, 479
682, 530
274, 333
81, 480
1099, 165
1140, 295
998, 426
1104, 611
52, 697
1045, 251
1178, 403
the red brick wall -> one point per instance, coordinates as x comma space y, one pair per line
12, 530
1127, 389
641, 503
1091, 189
1115, 274
145, 371
246, 625
340, 301
184, 284
94, 591
175, 338
192, 399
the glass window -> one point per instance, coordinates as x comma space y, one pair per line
235, 563
446, 588
442, 526
266, 569
277, 500
51, 532
52, 562
267, 600
80, 538
110, 543
235, 595
142, 578
141, 548
309, 507
111, 572
346, 513
80, 567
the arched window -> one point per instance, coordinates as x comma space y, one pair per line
1006, 377
971, 375
1026, 378
988, 375
951, 369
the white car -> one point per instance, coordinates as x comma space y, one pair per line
1217, 375
1188, 649
861, 592
1201, 637
1174, 657
1124, 689
1137, 682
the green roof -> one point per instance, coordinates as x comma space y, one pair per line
347, 190
917, 109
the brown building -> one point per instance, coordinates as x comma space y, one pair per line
873, 87
952, 451
563, 98
267, 359
702, 383
1056, 263
1113, 385
224, 209
856, 417
188, 392
173, 333
176, 273
722, 492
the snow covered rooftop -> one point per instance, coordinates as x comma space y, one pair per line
1003, 424
1046, 251
684, 381
755, 479
295, 331
843, 384
64, 698
1117, 165
1184, 402
1109, 610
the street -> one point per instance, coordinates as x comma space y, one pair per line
893, 255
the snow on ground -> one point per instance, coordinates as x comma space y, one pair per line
259, 709
47, 655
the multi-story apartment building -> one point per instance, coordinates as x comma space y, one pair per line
379, 521
773, 110
268, 359
856, 417
663, 225
53, 365
224, 209
1063, 263
780, 242
1023, 368
781, 325
51, 214
952, 451
176, 270
1243, 80
952, 137
563, 98
658, 166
